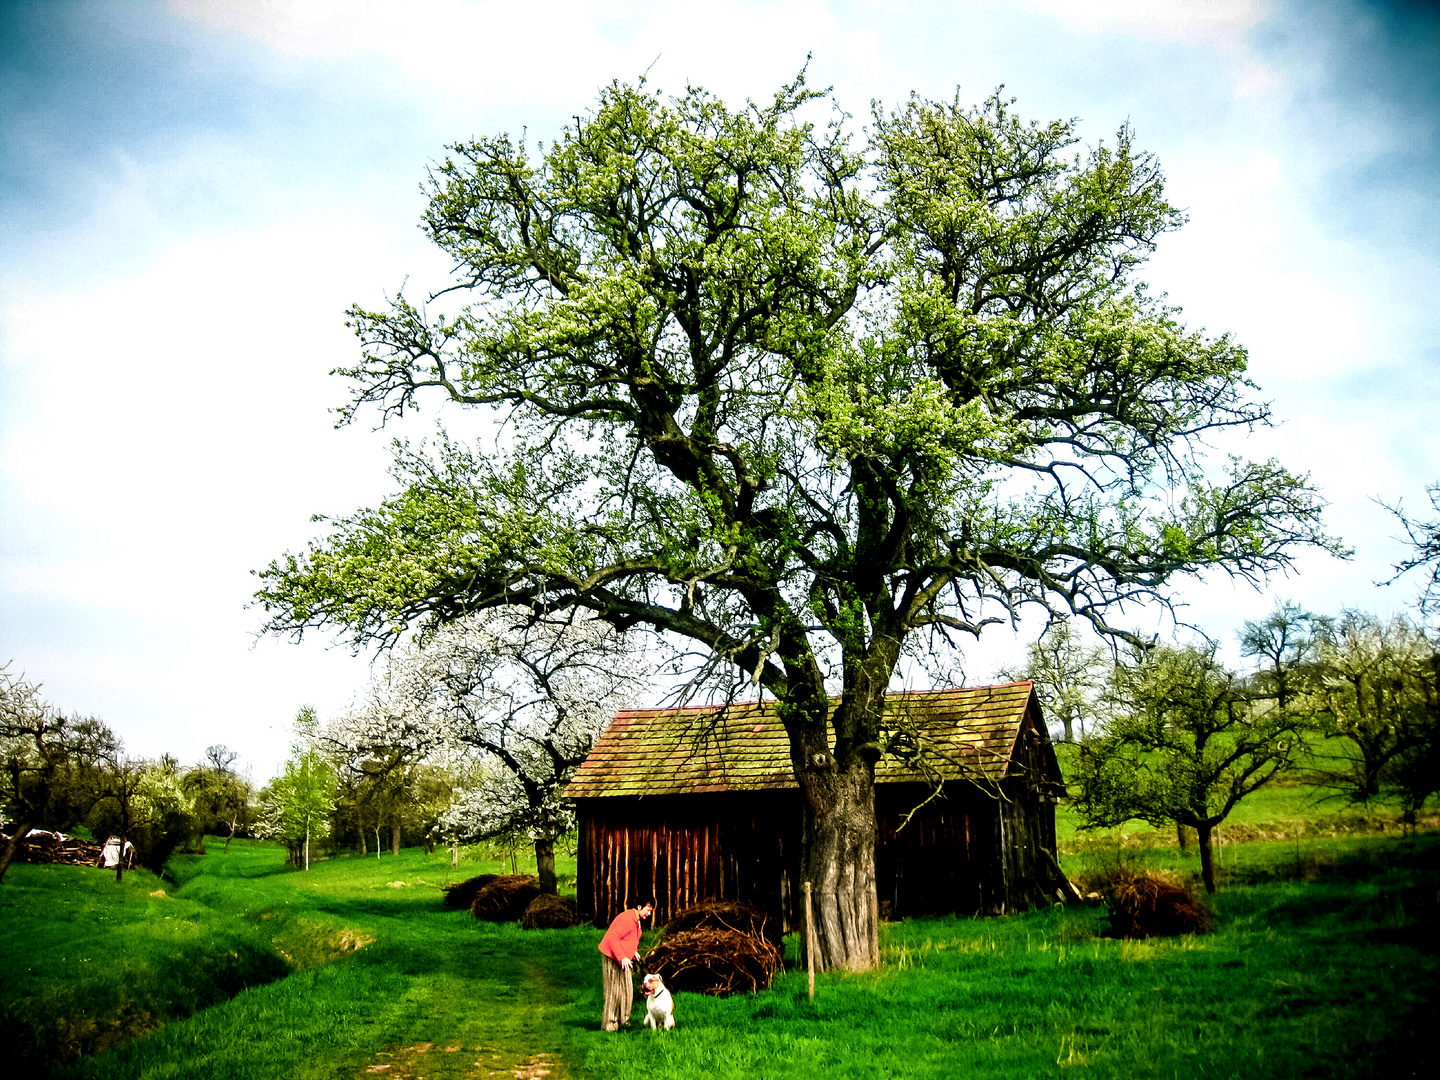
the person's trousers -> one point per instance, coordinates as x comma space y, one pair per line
619, 994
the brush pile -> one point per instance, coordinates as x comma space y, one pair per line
505, 898
736, 915
39, 846
714, 961
1147, 904
461, 894
549, 912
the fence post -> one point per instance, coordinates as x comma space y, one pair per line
809, 940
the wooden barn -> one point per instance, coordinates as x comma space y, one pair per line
685, 805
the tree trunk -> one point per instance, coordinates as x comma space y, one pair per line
234, 824
1068, 724
377, 841
545, 864
839, 862
454, 856
364, 848
395, 837
1182, 837
1207, 861
307, 846
11, 846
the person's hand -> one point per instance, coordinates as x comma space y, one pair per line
625, 964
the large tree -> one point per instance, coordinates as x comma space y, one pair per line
798, 403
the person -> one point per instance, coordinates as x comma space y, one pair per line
619, 952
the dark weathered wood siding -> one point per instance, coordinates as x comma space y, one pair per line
680, 849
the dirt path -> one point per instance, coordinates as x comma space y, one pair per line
480, 1035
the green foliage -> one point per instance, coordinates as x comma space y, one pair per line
791, 399
297, 804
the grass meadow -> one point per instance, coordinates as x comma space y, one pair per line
1324, 964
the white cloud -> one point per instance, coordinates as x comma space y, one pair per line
554, 54
1217, 21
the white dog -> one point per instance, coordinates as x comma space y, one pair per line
659, 1006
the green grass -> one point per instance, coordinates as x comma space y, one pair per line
1324, 964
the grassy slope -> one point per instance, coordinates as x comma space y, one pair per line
1320, 977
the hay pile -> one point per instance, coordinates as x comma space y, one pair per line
737, 915
549, 912
505, 898
714, 961
1147, 904
39, 846
461, 894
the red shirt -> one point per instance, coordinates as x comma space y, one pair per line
623, 937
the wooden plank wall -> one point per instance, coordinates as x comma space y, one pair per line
973, 852
679, 850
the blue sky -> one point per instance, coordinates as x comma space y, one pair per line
192, 192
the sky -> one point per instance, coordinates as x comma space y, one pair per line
192, 193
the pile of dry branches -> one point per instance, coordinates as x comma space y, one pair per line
1146, 904
549, 912
49, 847
461, 894
714, 961
737, 915
505, 897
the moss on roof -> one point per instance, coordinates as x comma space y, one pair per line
966, 733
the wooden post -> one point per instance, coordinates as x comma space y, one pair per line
809, 940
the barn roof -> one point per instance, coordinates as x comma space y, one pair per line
967, 733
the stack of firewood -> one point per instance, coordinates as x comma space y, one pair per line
39, 846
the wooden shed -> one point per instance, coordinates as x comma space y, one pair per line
685, 805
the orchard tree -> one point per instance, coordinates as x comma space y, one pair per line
48, 762
297, 804
1423, 537
1374, 689
800, 403
1069, 676
1284, 643
510, 699
220, 794
1186, 740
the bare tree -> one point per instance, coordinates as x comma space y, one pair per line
1424, 540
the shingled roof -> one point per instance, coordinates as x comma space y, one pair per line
967, 733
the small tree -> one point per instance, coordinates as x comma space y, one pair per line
1069, 677
221, 795
1187, 741
1283, 643
298, 802
1374, 688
